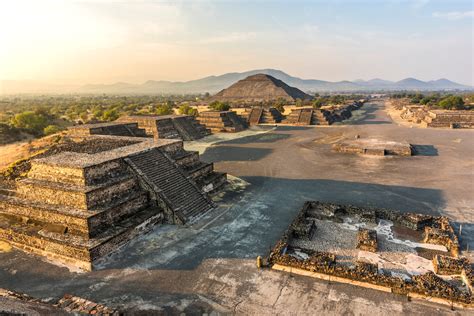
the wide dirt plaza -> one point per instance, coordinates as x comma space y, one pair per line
210, 266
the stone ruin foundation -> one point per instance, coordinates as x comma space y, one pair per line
377, 248
75, 207
184, 127
420, 114
374, 147
222, 121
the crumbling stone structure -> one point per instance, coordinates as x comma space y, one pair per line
222, 121
76, 207
452, 119
130, 129
367, 239
260, 115
284, 256
185, 127
447, 265
421, 114
374, 147
68, 303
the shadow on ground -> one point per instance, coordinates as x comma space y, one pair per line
425, 150
232, 153
259, 138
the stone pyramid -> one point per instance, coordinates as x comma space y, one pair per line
260, 87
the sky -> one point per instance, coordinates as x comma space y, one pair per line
107, 41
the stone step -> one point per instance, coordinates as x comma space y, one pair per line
74, 250
200, 170
75, 221
186, 159
212, 182
182, 195
77, 196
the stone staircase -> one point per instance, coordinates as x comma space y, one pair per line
170, 184
252, 115
321, 117
189, 128
271, 116
165, 129
77, 207
301, 116
207, 179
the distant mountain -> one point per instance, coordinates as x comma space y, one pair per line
260, 87
213, 84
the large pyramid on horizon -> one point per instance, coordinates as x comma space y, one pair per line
260, 87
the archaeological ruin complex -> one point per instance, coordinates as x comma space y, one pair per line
185, 127
260, 115
426, 117
405, 253
222, 121
78, 205
325, 116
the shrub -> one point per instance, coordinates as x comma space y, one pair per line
219, 106
51, 129
187, 110
30, 121
164, 109
110, 115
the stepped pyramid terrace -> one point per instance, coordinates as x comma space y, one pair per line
260, 115
222, 121
260, 87
77, 206
324, 116
185, 127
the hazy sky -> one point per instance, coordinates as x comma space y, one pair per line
104, 41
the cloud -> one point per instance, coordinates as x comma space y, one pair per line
453, 15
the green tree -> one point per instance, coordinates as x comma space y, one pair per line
30, 121
453, 102
164, 109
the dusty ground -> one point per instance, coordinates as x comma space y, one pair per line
211, 265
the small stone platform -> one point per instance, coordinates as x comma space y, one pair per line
374, 147
222, 121
184, 127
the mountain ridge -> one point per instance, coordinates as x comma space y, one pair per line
215, 83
